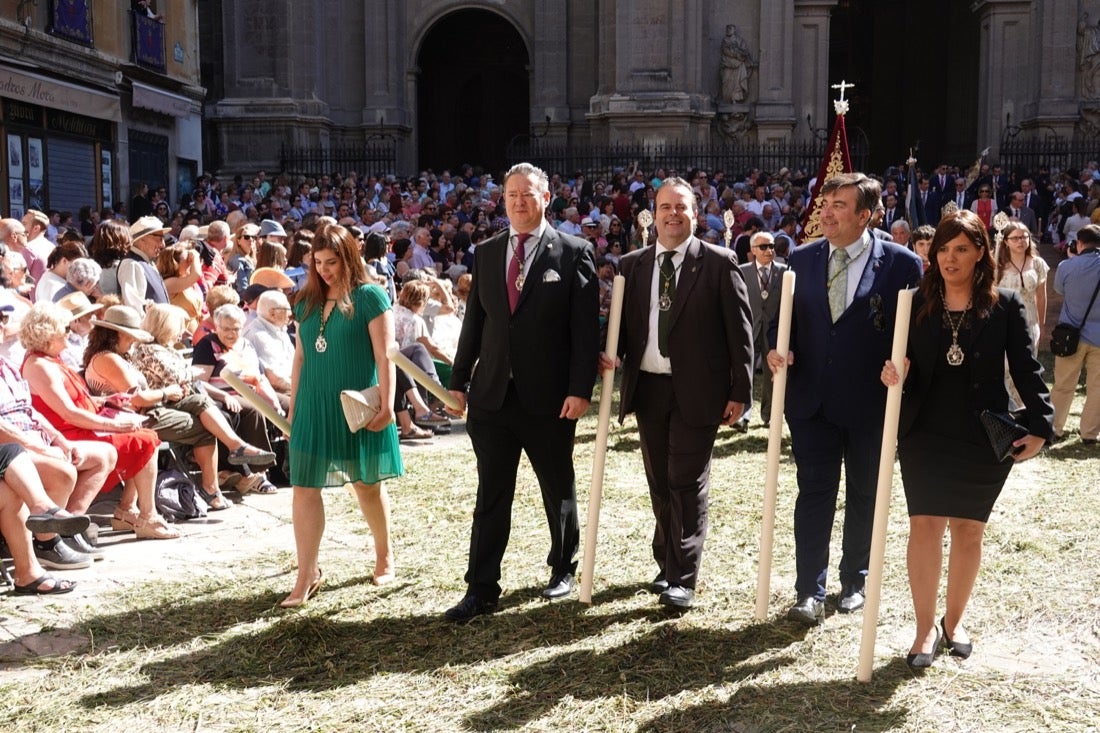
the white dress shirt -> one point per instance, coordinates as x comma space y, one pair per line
652, 361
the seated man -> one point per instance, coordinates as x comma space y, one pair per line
30, 578
268, 335
74, 471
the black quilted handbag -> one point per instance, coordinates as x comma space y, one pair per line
1003, 429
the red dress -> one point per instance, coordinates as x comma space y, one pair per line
134, 449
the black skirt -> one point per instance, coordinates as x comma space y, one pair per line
947, 465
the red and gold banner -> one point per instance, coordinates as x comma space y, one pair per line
835, 162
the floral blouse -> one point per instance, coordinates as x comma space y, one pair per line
163, 367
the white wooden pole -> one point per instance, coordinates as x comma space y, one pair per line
882, 495
599, 454
403, 362
775, 441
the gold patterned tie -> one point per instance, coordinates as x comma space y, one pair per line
838, 282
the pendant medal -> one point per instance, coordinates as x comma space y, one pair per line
955, 355
664, 302
519, 282
764, 294
321, 345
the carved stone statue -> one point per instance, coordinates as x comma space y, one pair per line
734, 126
737, 64
1088, 54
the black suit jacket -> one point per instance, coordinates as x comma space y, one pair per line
1003, 334
710, 341
549, 346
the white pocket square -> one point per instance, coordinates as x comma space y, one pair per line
551, 276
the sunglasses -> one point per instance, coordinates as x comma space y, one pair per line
765, 246
249, 236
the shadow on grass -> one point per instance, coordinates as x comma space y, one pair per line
827, 705
310, 650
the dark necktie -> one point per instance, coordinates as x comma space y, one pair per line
1015, 212
666, 294
515, 269
924, 198
764, 278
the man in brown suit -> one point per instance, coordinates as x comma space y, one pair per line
686, 348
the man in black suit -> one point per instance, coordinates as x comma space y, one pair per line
942, 182
532, 330
686, 346
764, 283
960, 196
928, 202
1021, 212
842, 332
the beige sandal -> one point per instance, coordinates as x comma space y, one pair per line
154, 528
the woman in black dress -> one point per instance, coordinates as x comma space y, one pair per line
962, 330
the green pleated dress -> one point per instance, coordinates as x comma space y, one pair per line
323, 452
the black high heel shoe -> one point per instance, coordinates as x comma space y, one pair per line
924, 661
955, 648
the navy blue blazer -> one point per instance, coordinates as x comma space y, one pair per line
837, 365
1003, 334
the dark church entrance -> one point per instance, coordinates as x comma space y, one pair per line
473, 92
915, 67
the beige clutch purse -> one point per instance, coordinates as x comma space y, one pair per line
360, 406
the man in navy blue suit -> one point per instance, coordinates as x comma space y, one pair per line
841, 335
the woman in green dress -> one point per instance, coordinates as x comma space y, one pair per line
345, 328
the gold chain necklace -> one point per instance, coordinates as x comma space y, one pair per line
955, 354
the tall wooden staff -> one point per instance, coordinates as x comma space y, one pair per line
775, 441
882, 495
595, 492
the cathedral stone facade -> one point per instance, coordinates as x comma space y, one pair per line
452, 81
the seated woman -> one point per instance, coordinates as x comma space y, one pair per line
178, 415
82, 311
226, 348
181, 269
30, 579
216, 297
82, 276
63, 477
63, 398
268, 335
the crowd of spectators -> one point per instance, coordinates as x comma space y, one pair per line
207, 285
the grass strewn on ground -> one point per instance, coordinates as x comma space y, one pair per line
209, 652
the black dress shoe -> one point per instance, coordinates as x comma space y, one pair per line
851, 599
677, 596
956, 648
469, 607
742, 425
924, 661
560, 585
659, 584
808, 611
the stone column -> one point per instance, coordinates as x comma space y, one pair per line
1052, 60
810, 59
654, 91
550, 62
390, 82
774, 116
1005, 81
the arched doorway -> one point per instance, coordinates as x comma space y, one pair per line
473, 94
915, 66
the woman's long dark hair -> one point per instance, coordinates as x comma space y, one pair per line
969, 225
346, 247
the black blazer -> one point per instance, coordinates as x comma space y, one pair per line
1003, 333
710, 341
549, 346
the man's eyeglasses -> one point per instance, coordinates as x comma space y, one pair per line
766, 245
